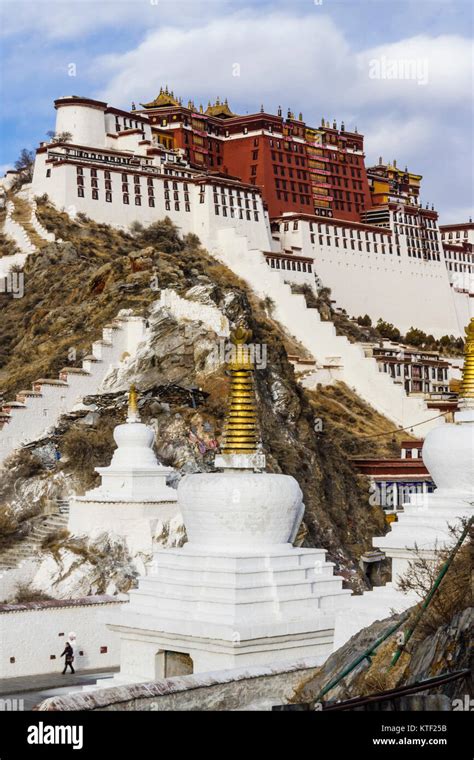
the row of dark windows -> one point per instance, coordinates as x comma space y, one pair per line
225, 210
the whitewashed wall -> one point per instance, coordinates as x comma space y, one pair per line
32, 637
409, 292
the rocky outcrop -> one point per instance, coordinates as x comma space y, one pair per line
446, 650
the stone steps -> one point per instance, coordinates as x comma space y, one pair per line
22, 214
28, 547
33, 412
319, 338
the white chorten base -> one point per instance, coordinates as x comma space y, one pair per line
363, 610
228, 610
422, 530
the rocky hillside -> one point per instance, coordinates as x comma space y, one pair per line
74, 288
440, 644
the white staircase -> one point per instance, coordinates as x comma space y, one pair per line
36, 224
30, 547
15, 231
36, 410
359, 372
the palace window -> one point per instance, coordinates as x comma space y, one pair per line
151, 202
94, 183
48, 172
216, 210
187, 207
80, 180
176, 196
136, 179
80, 192
126, 199
93, 172
108, 184
168, 206
137, 189
247, 213
150, 191
176, 206
79, 170
95, 195
108, 197
107, 175
138, 200
124, 188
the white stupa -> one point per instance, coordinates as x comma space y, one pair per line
133, 495
238, 593
424, 528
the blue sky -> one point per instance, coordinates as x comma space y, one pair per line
400, 71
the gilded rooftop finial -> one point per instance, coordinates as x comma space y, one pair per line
133, 415
467, 385
240, 432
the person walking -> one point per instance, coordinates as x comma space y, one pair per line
69, 655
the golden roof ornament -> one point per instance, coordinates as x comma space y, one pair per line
221, 110
467, 384
165, 98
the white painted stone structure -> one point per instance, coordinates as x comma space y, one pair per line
133, 495
32, 634
423, 528
238, 593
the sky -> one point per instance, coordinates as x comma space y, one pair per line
399, 70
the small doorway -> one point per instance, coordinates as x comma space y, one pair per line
169, 664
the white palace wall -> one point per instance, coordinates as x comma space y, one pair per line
32, 636
409, 292
204, 213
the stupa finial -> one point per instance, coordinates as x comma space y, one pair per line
467, 385
240, 432
133, 415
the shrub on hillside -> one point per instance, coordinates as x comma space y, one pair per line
163, 235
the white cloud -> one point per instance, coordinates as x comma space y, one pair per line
71, 19
420, 71
324, 73
391, 137
198, 62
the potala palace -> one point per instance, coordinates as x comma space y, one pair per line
300, 196
226, 592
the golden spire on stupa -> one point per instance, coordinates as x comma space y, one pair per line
467, 384
133, 415
240, 431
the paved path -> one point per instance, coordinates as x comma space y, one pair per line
34, 689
